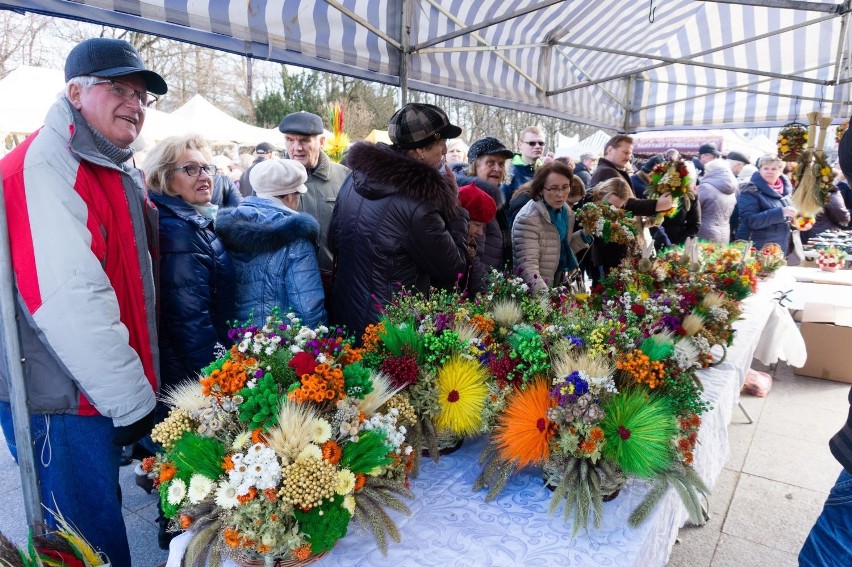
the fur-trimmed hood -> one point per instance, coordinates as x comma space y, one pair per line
259, 226
493, 191
378, 171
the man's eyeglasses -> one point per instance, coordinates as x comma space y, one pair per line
126, 92
534, 143
194, 170
558, 188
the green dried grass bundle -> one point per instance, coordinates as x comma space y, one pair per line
639, 428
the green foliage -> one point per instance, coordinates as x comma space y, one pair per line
325, 524
658, 347
260, 404
356, 380
528, 346
638, 430
193, 453
278, 367
369, 453
300, 90
683, 393
402, 339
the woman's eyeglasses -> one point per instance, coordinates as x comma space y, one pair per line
193, 170
558, 188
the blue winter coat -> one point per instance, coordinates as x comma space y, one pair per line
275, 253
196, 290
761, 218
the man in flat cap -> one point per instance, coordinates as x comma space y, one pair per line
737, 161
304, 139
80, 226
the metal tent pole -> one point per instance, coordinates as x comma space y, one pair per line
17, 390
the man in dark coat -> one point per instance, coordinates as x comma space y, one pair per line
617, 153
262, 151
397, 221
583, 169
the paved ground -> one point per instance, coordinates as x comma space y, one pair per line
776, 480
763, 506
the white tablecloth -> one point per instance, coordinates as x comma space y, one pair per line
453, 526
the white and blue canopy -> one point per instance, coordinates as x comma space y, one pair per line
625, 65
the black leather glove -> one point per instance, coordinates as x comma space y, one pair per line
130, 434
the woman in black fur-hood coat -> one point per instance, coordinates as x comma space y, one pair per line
397, 222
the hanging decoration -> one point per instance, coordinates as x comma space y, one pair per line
338, 143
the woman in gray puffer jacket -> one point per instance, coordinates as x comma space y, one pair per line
717, 194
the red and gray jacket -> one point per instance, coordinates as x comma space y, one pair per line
78, 228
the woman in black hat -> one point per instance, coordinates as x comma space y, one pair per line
397, 221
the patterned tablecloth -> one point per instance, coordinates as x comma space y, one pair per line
452, 526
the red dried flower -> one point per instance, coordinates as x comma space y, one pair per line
303, 363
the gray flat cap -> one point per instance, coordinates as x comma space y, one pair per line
302, 123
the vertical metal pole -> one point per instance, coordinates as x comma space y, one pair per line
405, 42
17, 390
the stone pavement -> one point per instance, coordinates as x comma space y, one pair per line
764, 503
777, 478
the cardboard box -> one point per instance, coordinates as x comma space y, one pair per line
827, 330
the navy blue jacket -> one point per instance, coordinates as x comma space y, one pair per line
274, 250
761, 216
195, 291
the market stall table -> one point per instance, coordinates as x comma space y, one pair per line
452, 525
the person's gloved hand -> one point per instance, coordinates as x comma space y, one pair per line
129, 434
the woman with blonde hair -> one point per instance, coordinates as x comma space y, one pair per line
764, 205
196, 277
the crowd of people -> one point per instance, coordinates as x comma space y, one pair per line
127, 283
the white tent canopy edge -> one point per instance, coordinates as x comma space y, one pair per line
611, 64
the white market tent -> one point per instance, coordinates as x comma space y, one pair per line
217, 126
593, 144
25, 95
625, 65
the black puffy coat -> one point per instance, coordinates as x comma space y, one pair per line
195, 291
397, 222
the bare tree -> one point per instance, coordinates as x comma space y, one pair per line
24, 41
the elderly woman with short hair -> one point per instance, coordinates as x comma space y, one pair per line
764, 205
543, 236
196, 276
487, 169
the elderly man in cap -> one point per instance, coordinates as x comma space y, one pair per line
263, 151
737, 161
583, 169
304, 139
80, 225
707, 153
397, 221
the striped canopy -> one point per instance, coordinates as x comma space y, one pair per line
625, 65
